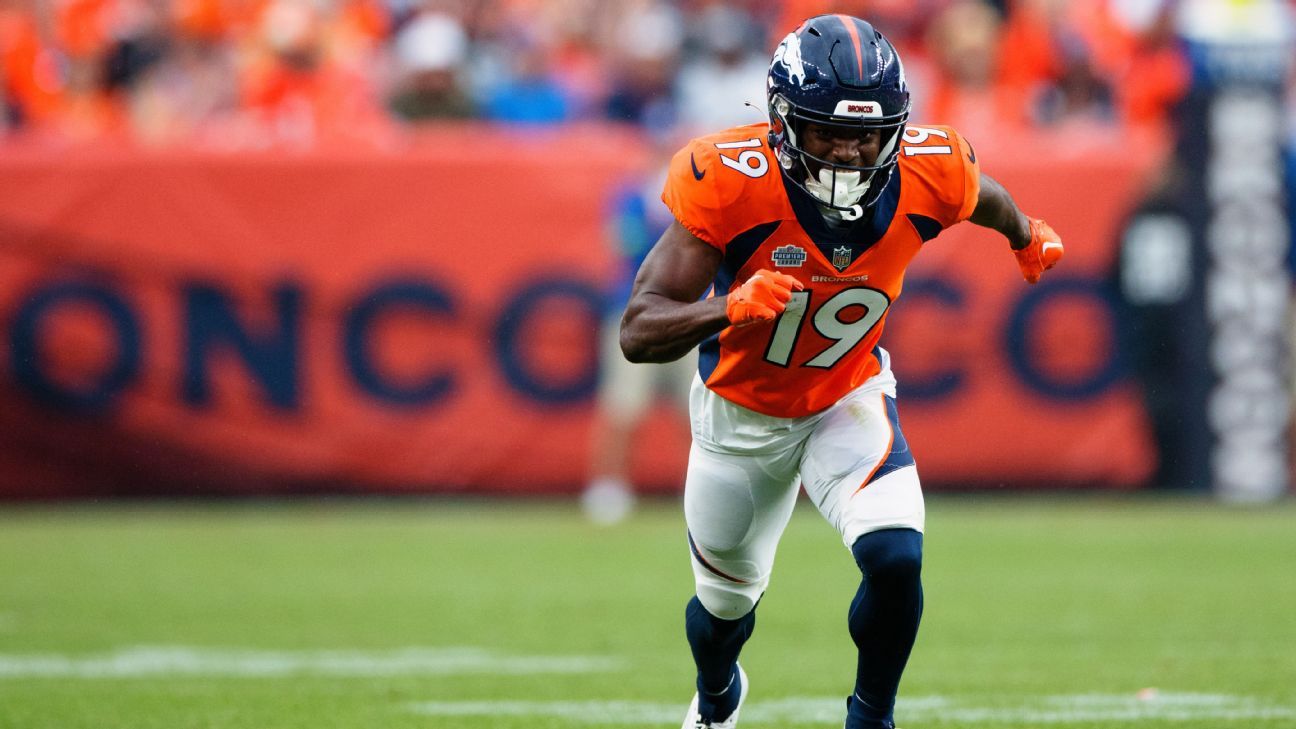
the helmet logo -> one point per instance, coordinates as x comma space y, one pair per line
789, 54
864, 109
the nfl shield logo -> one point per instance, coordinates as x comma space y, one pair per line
841, 257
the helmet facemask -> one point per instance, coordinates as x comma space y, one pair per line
846, 189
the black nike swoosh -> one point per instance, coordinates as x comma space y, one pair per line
971, 154
697, 174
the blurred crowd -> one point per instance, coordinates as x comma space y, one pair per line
256, 73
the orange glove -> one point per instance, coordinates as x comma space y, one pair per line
1042, 253
761, 298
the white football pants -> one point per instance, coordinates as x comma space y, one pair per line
743, 474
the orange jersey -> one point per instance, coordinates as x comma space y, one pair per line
727, 190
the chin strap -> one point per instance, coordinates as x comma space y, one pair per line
855, 213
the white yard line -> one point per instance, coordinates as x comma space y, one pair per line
192, 661
186, 661
1073, 709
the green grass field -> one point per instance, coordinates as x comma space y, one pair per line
1077, 613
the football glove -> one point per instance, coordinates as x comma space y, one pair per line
761, 298
1042, 253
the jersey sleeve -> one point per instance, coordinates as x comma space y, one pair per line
713, 201
693, 200
947, 167
725, 183
970, 178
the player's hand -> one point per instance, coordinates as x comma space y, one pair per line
1042, 253
761, 298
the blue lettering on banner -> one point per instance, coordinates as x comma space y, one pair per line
942, 383
271, 356
404, 294
29, 362
1034, 303
517, 316
270, 349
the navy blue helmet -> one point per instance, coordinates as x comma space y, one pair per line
840, 71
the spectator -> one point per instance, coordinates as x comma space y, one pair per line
903, 21
75, 69
139, 40
429, 52
191, 93
627, 390
530, 94
295, 91
1078, 93
1094, 59
30, 86
647, 45
964, 43
724, 84
576, 60
1156, 75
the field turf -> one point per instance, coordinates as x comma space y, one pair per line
1080, 613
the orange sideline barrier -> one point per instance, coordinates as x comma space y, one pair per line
424, 320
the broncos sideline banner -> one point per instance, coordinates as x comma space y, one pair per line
425, 321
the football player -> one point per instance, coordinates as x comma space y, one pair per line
802, 228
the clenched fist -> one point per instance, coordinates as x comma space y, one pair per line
761, 298
1042, 253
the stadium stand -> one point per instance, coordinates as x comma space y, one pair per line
257, 73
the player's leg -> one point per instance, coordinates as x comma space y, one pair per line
625, 392
883, 621
736, 507
676, 380
859, 472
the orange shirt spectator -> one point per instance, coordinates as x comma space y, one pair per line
33, 85
1157, 73
82, 27
204, 19
965, 42
296, 90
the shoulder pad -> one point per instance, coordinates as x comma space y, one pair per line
945, 169
722, 184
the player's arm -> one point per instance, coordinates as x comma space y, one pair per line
664, 318
1035, 245
995, 209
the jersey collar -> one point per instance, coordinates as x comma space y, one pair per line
858, 236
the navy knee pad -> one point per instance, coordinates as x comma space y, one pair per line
889, 555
